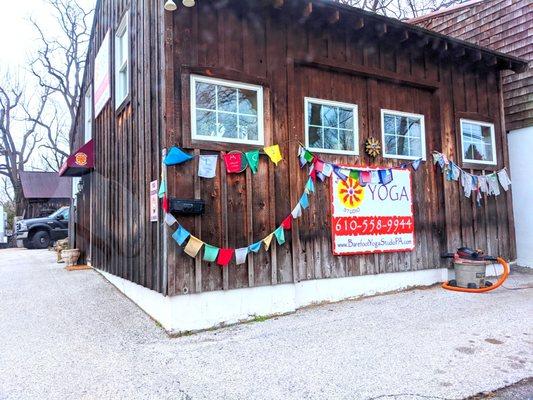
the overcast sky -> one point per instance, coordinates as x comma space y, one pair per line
17, 37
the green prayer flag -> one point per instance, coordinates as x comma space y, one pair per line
354, 174
308, 156
253, 159
280, 235
210, 253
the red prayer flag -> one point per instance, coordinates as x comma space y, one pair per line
319, 165
224, 256
165, 204
287, 222
312, 174
233, 162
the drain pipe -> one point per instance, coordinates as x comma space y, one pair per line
165, 228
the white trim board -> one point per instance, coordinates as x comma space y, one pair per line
195, 312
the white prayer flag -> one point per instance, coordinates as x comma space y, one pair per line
297, 211
240, 255
207, 166
494, 188
327, 169
504, 179
169, 219
466, 181
483, 185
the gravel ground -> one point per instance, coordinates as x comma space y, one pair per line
71, 335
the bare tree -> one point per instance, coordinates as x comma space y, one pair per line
401, 9
19, 135
59, 67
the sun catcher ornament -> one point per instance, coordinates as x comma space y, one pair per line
372, 147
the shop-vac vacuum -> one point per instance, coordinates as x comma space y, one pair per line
470, 266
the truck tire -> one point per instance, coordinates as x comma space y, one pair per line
27, 244
40, 240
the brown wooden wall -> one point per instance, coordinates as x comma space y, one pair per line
502, 25
292, 52
127, 152
315, 54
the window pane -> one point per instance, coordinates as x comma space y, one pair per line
331, 139
346, 140
315, 137
390, 145
248, 128
228, 125
389, 125
206, 123
345, 118
414, 127
477, 142
247, 101
205, 95
329, 116
227, 99
415, 147
314, 117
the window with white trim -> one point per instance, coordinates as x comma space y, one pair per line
122, 55
478, 142
403, 135
226, 111
88, 107
331, 126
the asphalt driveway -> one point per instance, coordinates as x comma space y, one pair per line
71, 335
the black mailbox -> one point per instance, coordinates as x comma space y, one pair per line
187, 207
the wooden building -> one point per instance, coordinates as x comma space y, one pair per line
504, 26
43, 193
281, 58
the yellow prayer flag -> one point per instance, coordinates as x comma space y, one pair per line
274, 153
193, 246
268, 240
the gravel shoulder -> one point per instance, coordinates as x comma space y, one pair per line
72, 335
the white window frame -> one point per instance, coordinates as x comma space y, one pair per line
122, 35
88, 112
237, 85
422, 134
492, 140
353, 107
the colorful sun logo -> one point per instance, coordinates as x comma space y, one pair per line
81, 159
350, 193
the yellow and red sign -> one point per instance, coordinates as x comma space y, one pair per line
374, 218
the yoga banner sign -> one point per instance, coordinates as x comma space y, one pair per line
373, 218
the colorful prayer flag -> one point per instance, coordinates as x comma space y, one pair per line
253, 159
374, 176
280, 235
385, 176
193, 246
416, 164
354, 174
169, 219
327, 169
297, 211
210, 253
255, 247
339, 173
304, 201
310, 186
207, 166
456, 171
287, 222
504, 179
176, 156
181, 235
308, 156
268, 240
364, 178
483, 184
165, 204
162, 189
233, 162
240, 255
466, 182
274, 153
224, 256
492, 180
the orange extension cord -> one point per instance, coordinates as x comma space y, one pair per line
500, 281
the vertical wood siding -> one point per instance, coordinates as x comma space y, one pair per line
291, 61
127, 152
291, 56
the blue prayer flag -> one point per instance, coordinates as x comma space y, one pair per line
177, 156
181, 235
